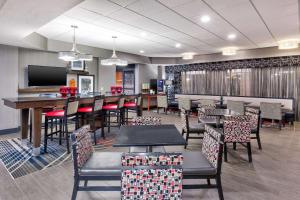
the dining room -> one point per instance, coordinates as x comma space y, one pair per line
149, 99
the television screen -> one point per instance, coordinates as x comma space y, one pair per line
46, 76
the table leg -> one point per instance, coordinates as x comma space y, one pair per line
149, 149
37, 126
24, 125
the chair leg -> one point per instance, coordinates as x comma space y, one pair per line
234, 146
249, 152
75, 189
182, 132
219, 185
258, 140
30, 128
208, 181
61, 130
85, 183
94, 127
108, 121
157, 110
102, 126
187, 139
225, 152
67, 135
46, 135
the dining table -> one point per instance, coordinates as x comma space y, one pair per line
149, 136
219, 113
36, 104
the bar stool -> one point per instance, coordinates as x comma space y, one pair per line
70, 111
115, 110
135, 107
91, 113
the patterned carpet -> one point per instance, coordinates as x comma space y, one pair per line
19, 161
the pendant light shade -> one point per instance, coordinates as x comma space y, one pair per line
74, 54
114, 60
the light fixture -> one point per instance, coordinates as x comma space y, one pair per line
288, 44
188, 56
74, 54
114, 60
177, 45
205, 18
142, 51
229, 51
231, 36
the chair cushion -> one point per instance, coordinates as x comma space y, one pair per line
160, 149
197, 128
55, 113
195, 163
103, 164
87, 109
129, 104
110, 107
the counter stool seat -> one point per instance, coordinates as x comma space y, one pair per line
130, 105
55, 113
87, 109
110, 107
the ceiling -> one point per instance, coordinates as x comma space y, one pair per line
155, 26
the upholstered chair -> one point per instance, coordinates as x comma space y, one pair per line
133, 107
255, 123
203, 116
162, 102
151, 176
236, 106
115, 110
185, 103
271, 111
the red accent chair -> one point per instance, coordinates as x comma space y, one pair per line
116, 110
135, 107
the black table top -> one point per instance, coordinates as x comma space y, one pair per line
162, 135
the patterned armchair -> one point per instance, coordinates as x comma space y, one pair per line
254, 122
151, 176
162, 102
271, 111
190, 128
206, 164
203, 114
236, 106
237, 129
90, 165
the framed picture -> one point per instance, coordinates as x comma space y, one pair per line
77, 65
85, 84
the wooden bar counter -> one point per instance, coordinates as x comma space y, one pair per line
37, 104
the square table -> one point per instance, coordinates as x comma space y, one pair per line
149, 136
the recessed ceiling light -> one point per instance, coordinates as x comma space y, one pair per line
229, 51
205, 18
177, 45
188, 56
142, 51
231, 36
143, 34
288, 44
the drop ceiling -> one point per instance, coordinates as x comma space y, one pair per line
155, 26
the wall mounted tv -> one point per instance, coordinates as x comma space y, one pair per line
46, 76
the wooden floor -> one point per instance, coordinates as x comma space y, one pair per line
273, 175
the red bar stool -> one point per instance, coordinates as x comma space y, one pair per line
135, 107
115, 110
63, 116
91, 113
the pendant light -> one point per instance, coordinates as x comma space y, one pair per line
114, 60
74, 54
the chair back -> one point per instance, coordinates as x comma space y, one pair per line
71, 106
151, 176
237, 129
98, 103
162, 101
254, 117
203, 113
121, 102
207, 103
271, 110
212, 147
236, 106
147, 120
184, 120
82, 147
184, 103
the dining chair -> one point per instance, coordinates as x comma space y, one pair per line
255, 123
92, 113
114, 110
90, 165
134, 107
185, 103
206, 164
203, 116
146, 121
63, 116
271, 111
189, 128
151, 176
162, 102
237, 130
236, 106
207, 103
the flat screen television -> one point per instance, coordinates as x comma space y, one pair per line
46, 76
